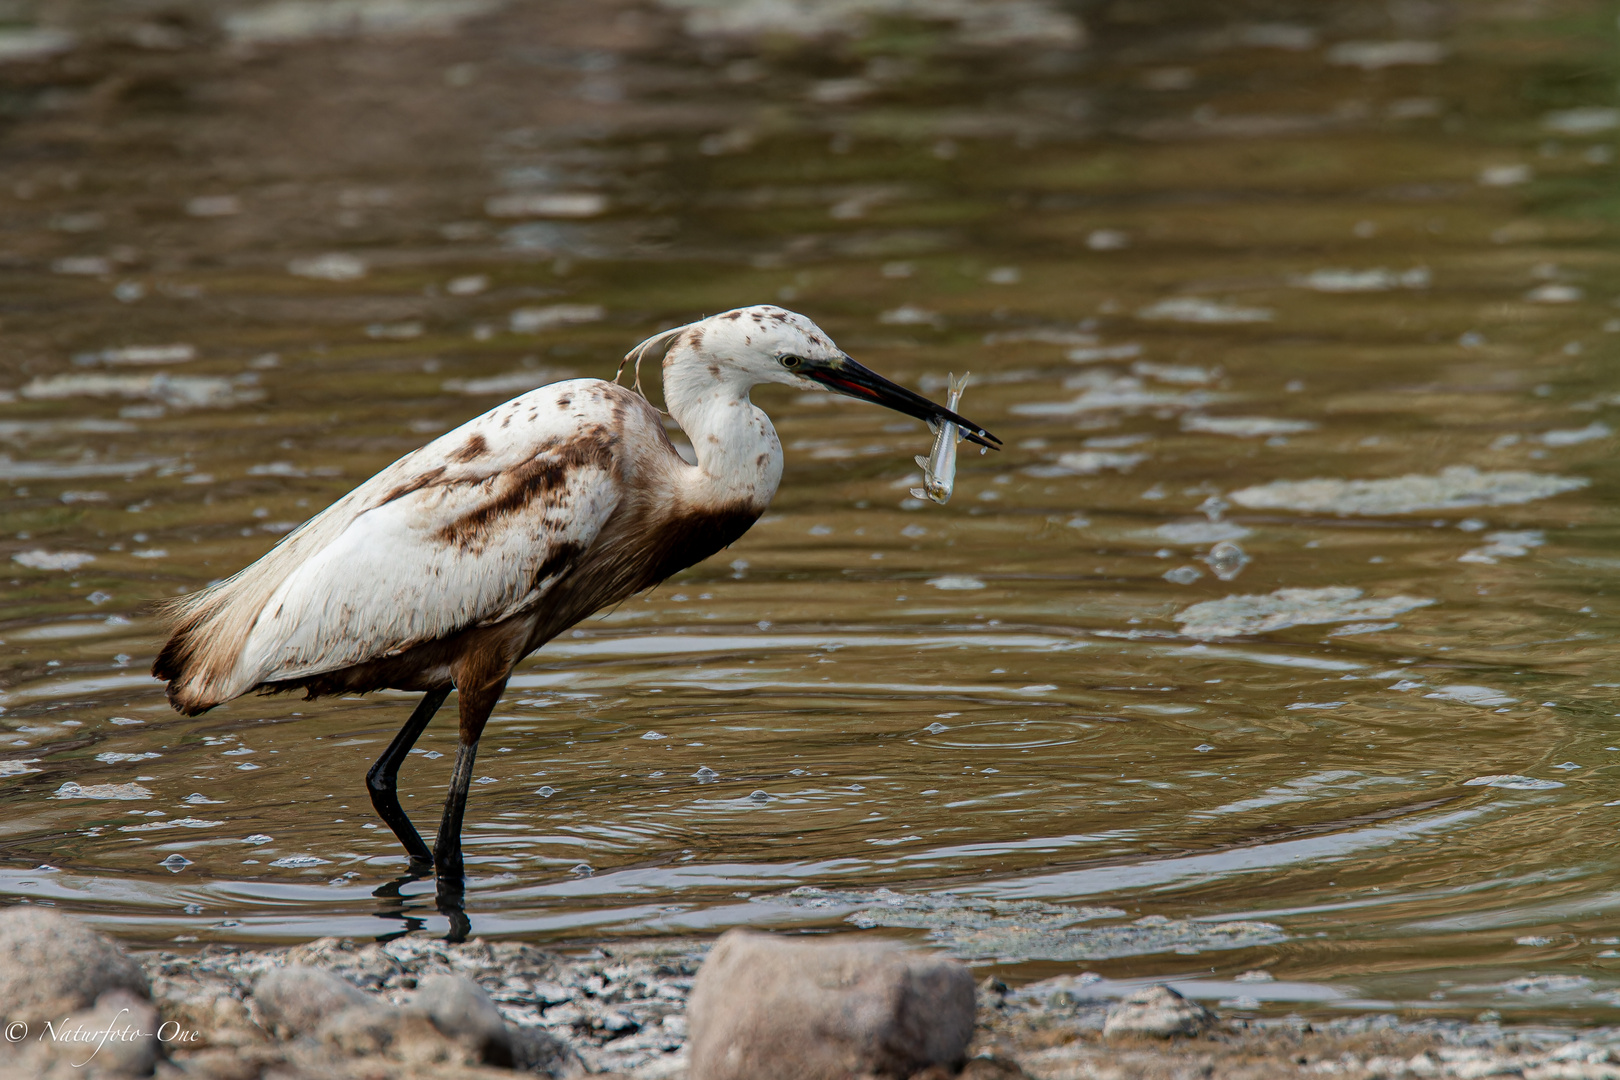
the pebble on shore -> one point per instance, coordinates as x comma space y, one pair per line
416, 1008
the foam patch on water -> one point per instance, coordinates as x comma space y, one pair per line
75, 470
547, 204
1245, 426
25, 43
299, 862
1103, 390
513, 382
956, 582
1180, 374
1453, 488
1358, 281
177, 823
1513, 782
1587, 120
115, 792
1239, 616
1016, 931
141, 354
1092, 462
1197, 309
974, 22
1505, 545
284, 21
39, 559
535, 320
1468, 694
1575, 436
1099, 353
176, 391
332, 266
1200, 532
1373, 55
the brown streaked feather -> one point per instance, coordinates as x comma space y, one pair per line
540, 481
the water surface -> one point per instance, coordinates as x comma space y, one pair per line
1190, 264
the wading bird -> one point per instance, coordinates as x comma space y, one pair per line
461, 558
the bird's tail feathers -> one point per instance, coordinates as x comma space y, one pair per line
197, 659
202, 660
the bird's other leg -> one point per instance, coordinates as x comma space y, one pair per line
477, 702
382, 779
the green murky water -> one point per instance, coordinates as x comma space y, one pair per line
1189, 265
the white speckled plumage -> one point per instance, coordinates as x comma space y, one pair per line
453, 563
393, 565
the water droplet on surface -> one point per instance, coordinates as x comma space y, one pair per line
654, 735
1227, 560
545, 792
1203, 748
706, 775
935, 728
759, 796
582, 870
175, 863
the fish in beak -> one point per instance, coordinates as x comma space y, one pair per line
846, 376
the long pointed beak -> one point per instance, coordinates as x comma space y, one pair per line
847, 377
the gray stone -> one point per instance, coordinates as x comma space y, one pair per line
818, 1009
360, 1030
116, 1037
299, 999
1157, 1012
543, 1054
51, 965
462, 1010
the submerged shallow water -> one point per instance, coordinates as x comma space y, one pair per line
1280, 638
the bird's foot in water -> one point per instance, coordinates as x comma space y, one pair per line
451, 901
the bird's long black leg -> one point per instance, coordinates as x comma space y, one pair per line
382, 778
476, 705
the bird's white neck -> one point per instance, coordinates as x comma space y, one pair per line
739, 457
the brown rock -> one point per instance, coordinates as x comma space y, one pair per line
979, 1068
1157, 1012
116, 1037
461, 1009
360, 1030
51, 965
417, 1042
219, 1063
820, 1009
299, 999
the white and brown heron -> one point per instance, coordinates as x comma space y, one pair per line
451, 565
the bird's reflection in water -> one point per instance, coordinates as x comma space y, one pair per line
448, 898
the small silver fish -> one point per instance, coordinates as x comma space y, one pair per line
939, 467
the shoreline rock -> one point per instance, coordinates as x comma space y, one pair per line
416, 1008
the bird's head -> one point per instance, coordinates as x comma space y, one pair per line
768, 344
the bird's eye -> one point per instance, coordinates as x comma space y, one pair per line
790, 361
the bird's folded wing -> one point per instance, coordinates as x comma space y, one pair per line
469, 530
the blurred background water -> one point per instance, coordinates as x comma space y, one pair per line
1276, 651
